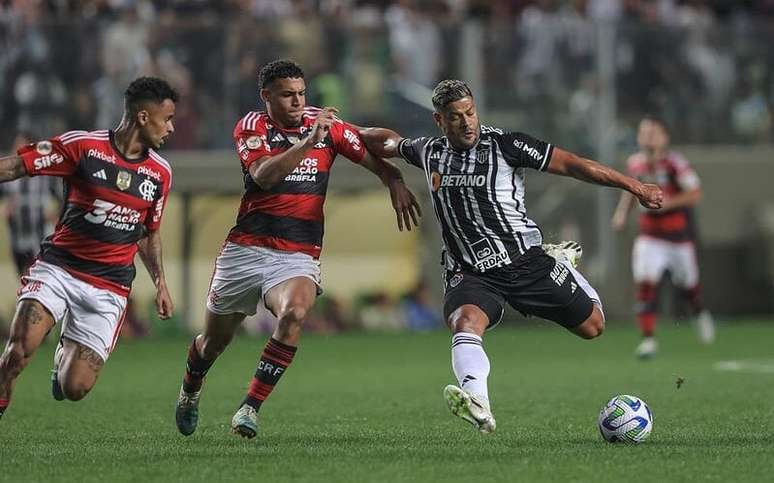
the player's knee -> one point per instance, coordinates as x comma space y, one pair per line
293, 314
467, 320
12, 360
592, 327
75, 388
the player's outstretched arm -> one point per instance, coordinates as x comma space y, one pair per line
11, 168
149, 249
404, 202
381, 142
566, 163
269, 171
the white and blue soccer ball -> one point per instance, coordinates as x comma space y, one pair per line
625, 419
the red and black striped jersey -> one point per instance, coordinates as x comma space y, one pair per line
110, 203
289, 216
674, 175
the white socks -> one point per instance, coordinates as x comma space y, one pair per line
470, 363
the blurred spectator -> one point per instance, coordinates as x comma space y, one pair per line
378, 312
419, 310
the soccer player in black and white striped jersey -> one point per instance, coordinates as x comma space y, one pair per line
492, 250
29, 210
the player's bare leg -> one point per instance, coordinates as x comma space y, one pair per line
30, 325
204, 350
593, 326
78, 369
290, 302
470, 400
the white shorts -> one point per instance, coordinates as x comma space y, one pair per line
651, 257
244, 274
88, 315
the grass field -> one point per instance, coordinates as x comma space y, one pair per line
357, 407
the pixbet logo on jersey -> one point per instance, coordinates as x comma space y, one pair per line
112, 215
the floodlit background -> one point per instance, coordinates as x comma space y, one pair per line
577, 73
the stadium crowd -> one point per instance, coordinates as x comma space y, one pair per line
703, 65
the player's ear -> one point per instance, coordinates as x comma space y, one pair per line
264, 93
437, 117
142, 117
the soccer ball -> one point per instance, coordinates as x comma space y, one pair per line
625, 419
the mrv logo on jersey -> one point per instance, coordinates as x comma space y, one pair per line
487, 257
457, 180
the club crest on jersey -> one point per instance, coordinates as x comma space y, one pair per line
253, 142
124, 180
43, 148
147, 190
455, 280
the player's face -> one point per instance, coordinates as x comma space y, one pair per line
652, 138
459, 123
285, 100
156, 123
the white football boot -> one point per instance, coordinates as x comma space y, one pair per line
245, 422
705, 326
647, 348
566, 250
471, 408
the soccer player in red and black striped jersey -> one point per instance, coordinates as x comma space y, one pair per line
271, 254
116, 187
666, 240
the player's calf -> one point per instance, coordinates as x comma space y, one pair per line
79, 370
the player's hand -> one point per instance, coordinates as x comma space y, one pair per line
322, 125
405, 205
650, 196
164, 305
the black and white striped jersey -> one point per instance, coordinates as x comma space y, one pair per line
478, 194
28, 199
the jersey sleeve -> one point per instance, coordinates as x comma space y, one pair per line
523, 151
153, 221
685, 175
52, 157
347, 141
251, 144
411, 150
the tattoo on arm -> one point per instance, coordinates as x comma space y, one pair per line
11, 167
92, 358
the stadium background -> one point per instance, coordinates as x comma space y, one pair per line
578, 73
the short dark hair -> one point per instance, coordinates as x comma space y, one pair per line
279, 69
145, 89
448, 91
658, 120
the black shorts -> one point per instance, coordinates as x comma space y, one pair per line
534, 284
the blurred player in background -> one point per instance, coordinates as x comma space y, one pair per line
116, 186
667, 236
493, 252
271, 255
31, 204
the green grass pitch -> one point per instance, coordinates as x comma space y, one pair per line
368, 407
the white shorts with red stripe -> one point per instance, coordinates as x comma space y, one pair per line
651, 257
88, 315
244, 274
